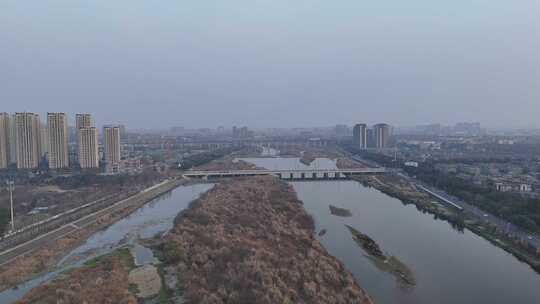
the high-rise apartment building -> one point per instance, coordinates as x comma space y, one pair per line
382, 135
111, 142
83, 121
58, 140
87, 142
27, 138
360, 136
5, 149
12, 140
88, 147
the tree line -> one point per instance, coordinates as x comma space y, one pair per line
520, 210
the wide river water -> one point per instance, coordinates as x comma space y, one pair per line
449, 266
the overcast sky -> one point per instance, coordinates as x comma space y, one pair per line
273, 63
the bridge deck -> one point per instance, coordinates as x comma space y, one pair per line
293, 173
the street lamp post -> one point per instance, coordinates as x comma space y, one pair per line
11, 187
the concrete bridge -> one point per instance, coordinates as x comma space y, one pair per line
305, 174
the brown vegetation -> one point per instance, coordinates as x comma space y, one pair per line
251, 241
64, 193
227, 163
307, 158
346, 163
103, 281
45, 257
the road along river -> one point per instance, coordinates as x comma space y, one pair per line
449, 266
153, 218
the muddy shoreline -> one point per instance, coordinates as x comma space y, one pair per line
44, 259
244, 241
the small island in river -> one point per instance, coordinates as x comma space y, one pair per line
244, 241
251, 241
339, 211
390, 264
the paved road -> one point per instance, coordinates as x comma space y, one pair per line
481, 215
10, 254
502, 225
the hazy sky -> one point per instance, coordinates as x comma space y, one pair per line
264, 63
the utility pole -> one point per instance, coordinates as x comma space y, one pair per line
11, 187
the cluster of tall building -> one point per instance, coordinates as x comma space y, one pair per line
24, 141
376, 137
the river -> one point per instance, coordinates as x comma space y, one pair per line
153, 218
449, 266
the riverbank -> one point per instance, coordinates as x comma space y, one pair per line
397, 188
102, 280
45, 256
227, 163
251, 241
402, 190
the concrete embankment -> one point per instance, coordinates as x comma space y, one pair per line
41, 254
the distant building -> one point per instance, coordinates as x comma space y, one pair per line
83, 120
342, 130
505, 142
44, 146
382, 135
28, 140
360, 136
87, 142
88, 148
468, 128
12, 140
5, 149
411, 164
240, 133
177, 130
370, 138
512, 186
111, 142
122, 131
58, 140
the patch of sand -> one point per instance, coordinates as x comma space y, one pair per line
147, 280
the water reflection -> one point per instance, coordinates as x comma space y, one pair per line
291, 163
449, 266
153, 218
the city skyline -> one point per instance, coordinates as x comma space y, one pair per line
270, 151
123, 119
96, 121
